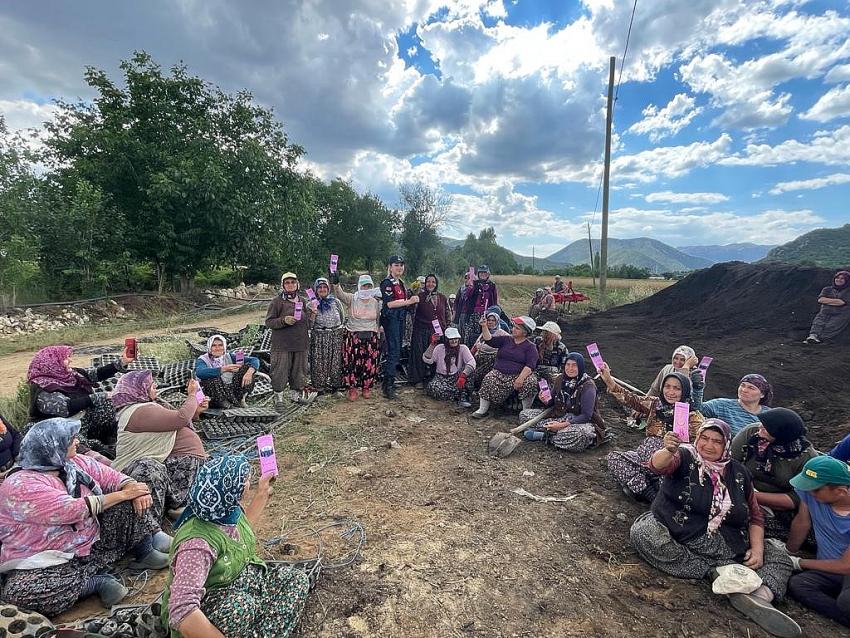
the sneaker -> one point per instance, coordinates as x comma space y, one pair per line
811, 339
154, 559
111, 593
478, 415
352, 394
765, 615
367, 393
463, 403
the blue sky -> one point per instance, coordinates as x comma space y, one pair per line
732, 123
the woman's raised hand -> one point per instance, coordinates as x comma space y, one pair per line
671, 442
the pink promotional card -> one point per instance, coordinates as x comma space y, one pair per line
703, 365
239, 356
268, 460
472, 276
200, 397
334, 262
593, 351
298, 308
681, 416
310, 294
438, 329
544, 390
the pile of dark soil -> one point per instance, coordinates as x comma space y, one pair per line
750, 318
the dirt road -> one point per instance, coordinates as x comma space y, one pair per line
13, 367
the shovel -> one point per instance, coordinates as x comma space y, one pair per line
503, 443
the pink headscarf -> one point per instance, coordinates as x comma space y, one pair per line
47, 370
133, 387
721, 501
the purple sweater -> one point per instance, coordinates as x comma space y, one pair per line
513, 357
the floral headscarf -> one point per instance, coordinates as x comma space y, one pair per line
211, 361
721, 501
133, 387
45, 449
685, 351
762, 384
218, 487
47, 370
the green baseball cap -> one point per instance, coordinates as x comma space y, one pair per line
820, 471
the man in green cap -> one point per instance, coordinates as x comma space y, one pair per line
824, 584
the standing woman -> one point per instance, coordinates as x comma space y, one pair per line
834, 314
290, 342
461, 301
326, 339
225, 379
361, 348
482, 296
393, 314
432, 306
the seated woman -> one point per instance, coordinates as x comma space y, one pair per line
65, 519
755, 395
10, 444
514, 367
326, 339
551, 352
157, 432
629, 467
219, 586
534, 308
58, 390
361, 346
834, 314
774, 450
706, 516
432, 307
226, 377
485, 354
576, 423
680, 356
454, 363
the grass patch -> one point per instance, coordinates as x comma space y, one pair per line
16, 407
166, 351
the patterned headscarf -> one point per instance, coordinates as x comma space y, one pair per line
846, 275
215, 494
45, 449
133, 387
721, 501
325, 303
685, 351
762, 384
211, 361
570, 384
789, 439
663, 410
47, 370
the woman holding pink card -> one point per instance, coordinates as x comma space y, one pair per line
705, 517
361, 348
454, 365
629, 467
326, 338
433, 306
226, 377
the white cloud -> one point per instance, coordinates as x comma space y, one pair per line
833, 104
838, 73
411, 51
825, 147
669, 120
670, 161
686, 198
811, 184
23, 114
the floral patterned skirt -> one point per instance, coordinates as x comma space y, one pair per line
360, 359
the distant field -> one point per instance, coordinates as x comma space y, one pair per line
582, 284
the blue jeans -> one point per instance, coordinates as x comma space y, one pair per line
393, 323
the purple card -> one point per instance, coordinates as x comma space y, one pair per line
593, 351
334, 262
200, 397
703, 365
544, 390
472, 276
310, 293
238, 356
681, 416
298, 308
268, 460
438, 329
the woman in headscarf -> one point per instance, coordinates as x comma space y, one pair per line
288, 317
551, 352
514, 367
219, 586
433, 306
485, 354
65, 518
629, 467
755, 395
482, 296
774, 450
681, 355
834, 314
226, 377
58, 390
454, 363
706, 516
10, 444
575, 424
534, 308
326, 338
361, 346
152, 432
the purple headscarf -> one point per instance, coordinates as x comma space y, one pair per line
47, 370
133, 387
762, 384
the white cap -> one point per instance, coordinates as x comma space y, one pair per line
551, 326
526, 322
452, 333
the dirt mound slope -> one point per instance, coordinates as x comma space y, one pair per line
750, 318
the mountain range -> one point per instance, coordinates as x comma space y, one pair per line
827, 247
643, 252
731, 252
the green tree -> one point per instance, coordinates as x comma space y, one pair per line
425, 210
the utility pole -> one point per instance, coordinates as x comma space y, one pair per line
590, 248
603, 250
